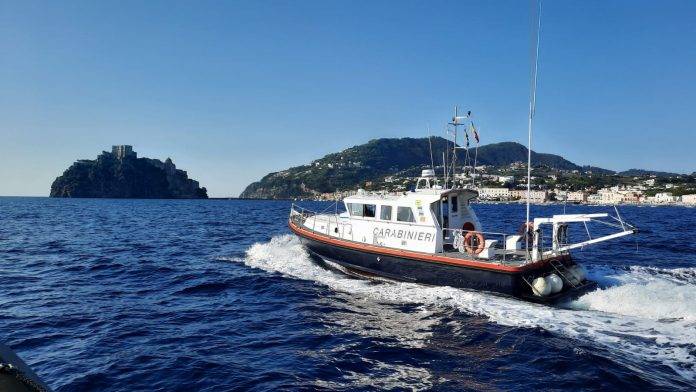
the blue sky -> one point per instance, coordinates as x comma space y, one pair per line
233, 90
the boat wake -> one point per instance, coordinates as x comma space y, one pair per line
639, 315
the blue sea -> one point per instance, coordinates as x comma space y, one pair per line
217, 295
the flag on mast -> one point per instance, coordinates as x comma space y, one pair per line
475, 132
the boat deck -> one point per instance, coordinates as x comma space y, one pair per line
507, 259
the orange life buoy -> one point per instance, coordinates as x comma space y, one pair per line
469, 243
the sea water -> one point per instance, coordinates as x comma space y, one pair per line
212, 295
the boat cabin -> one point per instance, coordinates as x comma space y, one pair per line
422, 220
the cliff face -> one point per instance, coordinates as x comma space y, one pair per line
127, 177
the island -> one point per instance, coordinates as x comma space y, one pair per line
391, 165
121, 174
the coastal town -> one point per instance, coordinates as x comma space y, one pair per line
508, 184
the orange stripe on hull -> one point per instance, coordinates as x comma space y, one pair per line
419, 256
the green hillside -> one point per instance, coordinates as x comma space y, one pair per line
378, 158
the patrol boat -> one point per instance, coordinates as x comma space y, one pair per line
431, 235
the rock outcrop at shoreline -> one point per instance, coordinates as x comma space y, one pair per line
121, 174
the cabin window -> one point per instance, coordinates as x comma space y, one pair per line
454, 204
385, 213
405, 214
356, 209
369, 210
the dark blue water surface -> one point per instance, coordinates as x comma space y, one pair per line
209, 295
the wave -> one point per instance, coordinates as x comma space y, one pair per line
645, 292
644, 314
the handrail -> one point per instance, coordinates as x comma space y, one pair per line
545, 244
329, 219
502, 253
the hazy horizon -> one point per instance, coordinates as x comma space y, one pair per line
232, 91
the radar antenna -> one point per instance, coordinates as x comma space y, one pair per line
457, 121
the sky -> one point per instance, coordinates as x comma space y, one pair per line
233, 90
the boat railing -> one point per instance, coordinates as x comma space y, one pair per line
298, 215
494, 246
329, 224
544, 237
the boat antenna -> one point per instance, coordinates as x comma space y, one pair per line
454, 146
476, 137
444, 166
457, 121
532, 106
447, 162
430, 144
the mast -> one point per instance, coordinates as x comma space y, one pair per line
473, 175
444, 169
430, 144
532, 108
454, 148
457, 121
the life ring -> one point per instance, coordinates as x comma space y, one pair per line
469, 243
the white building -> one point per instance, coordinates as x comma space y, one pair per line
594, 198
494, 193
610, 195
616, 195
534, 196
577, 197
689, 199
561, 195
506, 179
664, 197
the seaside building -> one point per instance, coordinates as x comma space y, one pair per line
577, 197
610, 196
594, 198
561, 195
664, 197
616, 195
689, 199
534, 196
494, 193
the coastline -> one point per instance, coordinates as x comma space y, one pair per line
317, 200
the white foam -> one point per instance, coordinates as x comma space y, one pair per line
658, 299
649, 316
